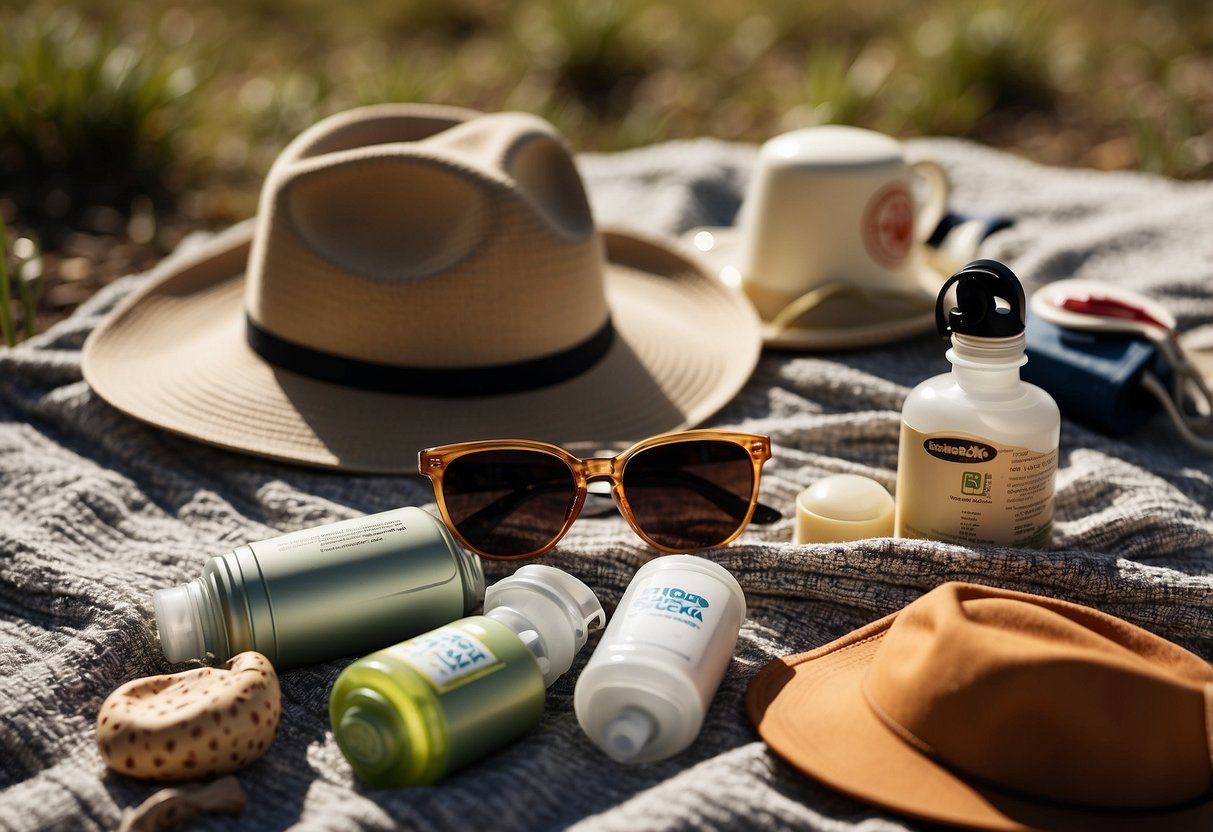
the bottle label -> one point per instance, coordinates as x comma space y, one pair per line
446, 657
676, 611
340, 536
960, 488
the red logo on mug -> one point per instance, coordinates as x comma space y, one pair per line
888, 225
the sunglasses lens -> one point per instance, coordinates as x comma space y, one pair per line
690, 495
508, 503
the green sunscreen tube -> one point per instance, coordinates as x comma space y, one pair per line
323, 593
412, 713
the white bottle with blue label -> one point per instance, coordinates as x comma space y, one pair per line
644, 693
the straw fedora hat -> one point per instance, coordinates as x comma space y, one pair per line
991, 709
418, 275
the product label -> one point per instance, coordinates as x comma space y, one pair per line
446, 657
676, 611
346, 534
965, 489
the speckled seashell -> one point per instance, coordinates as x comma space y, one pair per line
211, 720
174, 805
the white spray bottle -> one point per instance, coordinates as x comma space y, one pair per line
644, 693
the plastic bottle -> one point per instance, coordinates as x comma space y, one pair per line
322, 593
644, 693
413, 713
978, 451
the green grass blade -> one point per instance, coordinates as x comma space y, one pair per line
6, 306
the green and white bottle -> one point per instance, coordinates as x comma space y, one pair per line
413, 713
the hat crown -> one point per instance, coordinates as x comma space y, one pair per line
1046, 699
465, 226
421, 275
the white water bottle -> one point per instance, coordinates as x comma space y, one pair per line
977, 459
644, 693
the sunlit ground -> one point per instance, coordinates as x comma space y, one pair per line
123, 125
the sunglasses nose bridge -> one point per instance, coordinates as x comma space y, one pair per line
599, 467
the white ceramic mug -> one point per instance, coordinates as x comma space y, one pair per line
835, 205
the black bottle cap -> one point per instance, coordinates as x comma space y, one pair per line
979, 287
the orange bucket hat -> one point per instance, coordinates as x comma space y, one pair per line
991, 709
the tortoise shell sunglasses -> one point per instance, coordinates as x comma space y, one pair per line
680, 492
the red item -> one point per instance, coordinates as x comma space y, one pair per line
1110, 308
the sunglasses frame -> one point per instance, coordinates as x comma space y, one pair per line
433, 462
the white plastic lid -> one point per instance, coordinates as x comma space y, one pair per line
179, 624
841, 508
552, 612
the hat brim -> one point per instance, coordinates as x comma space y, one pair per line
886, 322
810, 709
175, 355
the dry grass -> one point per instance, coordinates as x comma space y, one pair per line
124, 124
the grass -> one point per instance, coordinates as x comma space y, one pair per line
86, 116
20, 275
182, 107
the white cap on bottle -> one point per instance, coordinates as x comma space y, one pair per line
628, 733
179, 624
550, 610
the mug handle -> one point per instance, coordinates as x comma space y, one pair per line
936, 204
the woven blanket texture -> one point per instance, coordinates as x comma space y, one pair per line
97, 511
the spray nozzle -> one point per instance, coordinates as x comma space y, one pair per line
990, 302
552, 612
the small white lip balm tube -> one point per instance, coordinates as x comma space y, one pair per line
644, 693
